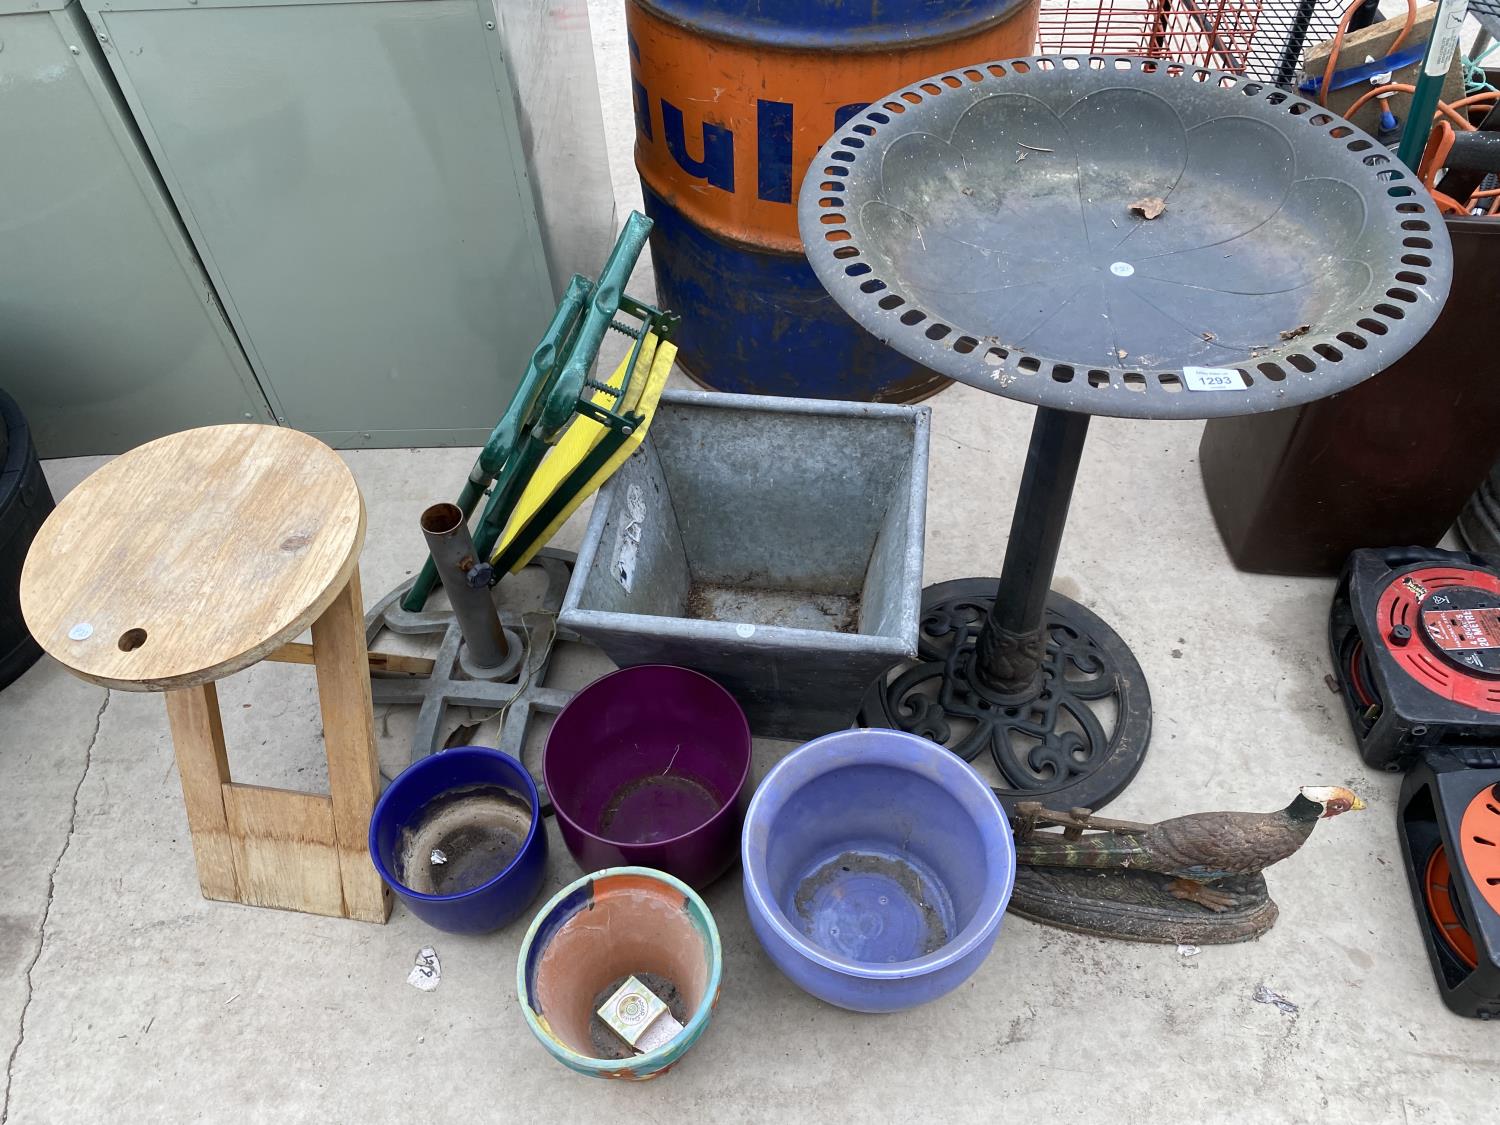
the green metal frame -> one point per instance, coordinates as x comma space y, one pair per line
555, 389
1442, 41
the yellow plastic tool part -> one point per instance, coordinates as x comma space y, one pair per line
582, 436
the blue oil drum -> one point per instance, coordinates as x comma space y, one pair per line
733, 98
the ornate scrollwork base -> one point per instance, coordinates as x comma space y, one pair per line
1074, 738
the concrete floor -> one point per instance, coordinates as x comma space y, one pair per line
125, 996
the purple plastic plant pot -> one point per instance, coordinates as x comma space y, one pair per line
649, 767
877, 868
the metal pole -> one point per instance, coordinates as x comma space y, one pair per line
1291, 48
1443, 41
1367, 15
1156, 45
1008, 655
452, 550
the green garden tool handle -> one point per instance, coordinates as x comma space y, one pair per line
1447, 25
506, 436
545, 400
546, 358
557, 411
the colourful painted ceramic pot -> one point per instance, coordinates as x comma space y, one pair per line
649, 766
877, 868
595, 934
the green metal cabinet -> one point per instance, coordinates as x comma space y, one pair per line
109, 331
354, 175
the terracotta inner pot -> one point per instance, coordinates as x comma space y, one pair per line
632, 926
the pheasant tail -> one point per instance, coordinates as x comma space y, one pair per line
1106, 849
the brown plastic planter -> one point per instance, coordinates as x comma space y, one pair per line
1390, 462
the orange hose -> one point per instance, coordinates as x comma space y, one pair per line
1411, 22
1439, 145
1338, 44
1433, 159
1444, 108
1474, 99
1435, 155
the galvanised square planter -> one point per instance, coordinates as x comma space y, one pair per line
774, 544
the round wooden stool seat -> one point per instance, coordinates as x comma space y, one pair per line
193, 556
188, 559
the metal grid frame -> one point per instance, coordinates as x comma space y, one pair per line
1261, 39
1216, 33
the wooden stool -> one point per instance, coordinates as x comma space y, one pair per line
191, 558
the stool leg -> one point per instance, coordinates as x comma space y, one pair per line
343, 671
203, 766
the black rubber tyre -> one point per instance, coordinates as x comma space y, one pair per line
25, 502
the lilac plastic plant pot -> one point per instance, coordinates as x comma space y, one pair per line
877, 868
649, 767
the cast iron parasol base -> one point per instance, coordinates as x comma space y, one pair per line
1075, 738
524, 692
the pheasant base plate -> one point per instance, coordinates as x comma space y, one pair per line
1138, 906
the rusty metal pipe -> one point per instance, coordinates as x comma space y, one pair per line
452, 549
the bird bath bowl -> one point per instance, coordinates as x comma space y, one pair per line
1085, 233
649, 766
459, 837
877, 868
594, 935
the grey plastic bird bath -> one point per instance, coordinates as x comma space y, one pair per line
1103, 235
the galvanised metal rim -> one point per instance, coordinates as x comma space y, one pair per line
987, 916
1402, 242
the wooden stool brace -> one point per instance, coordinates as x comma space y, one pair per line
193, 557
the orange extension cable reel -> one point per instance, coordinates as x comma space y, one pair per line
1415, 637
1449, 824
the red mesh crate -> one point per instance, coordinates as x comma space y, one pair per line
1214, 33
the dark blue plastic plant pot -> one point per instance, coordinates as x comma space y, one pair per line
877, 868
494, 903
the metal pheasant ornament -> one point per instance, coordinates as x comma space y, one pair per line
1194, 878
